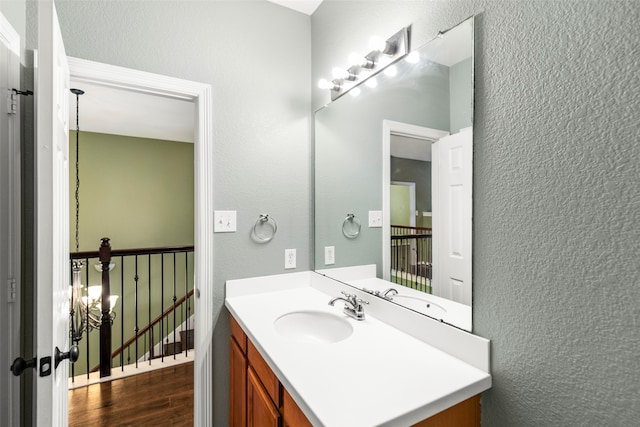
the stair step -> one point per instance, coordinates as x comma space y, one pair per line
186, 337
172, 348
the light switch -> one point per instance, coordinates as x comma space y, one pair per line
375, 219
224, 221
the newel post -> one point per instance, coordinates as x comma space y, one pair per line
105, 326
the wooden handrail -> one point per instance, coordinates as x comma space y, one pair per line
137, 251
149, 326
408, 227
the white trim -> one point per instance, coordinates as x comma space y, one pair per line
200, 93
405, 129
9, 36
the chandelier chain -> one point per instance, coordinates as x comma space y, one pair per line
77, 170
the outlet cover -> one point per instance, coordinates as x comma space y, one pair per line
224, 221
375, 219
289, 259
329, 255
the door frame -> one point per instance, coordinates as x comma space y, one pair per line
201, 94
390, 127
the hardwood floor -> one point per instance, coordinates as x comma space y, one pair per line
159, 398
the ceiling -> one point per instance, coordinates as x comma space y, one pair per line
116, 111
305, 6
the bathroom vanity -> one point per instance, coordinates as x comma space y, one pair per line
297, 361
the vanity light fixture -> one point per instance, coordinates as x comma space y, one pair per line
363, 68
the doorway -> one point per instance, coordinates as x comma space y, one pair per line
109, 76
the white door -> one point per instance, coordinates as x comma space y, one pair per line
452, 210
9, 223
52, 218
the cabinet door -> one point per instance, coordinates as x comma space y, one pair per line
261, 412
238, 386
291, 412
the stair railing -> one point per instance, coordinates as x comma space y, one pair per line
151, 280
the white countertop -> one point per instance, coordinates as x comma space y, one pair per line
379, 376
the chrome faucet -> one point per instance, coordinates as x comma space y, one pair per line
352, 305
385, 294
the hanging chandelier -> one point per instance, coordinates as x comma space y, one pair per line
85, 310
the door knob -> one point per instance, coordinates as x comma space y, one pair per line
72, 355
20, 365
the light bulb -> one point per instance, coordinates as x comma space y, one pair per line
339, 73
327, 84
391, 71
377, 43
413, 57
355, 91
356, 59
372, 82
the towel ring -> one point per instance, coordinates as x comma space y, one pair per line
351, 226
264, 229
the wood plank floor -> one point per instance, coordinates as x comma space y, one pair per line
158, 398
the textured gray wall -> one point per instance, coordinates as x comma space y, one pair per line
256, 55
556, 194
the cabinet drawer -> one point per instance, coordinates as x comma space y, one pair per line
238, 334
264, 373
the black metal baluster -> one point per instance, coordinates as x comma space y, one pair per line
186, 300
136, 310
162, 308
122, 310
174, 306
149, 314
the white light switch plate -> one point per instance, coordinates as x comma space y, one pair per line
224, 221
375, 219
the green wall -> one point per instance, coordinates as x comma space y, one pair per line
409, 170
136, 191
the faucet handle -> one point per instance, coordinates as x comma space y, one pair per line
361, 301
350, 297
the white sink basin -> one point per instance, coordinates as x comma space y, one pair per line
313, 326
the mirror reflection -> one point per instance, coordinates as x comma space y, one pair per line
398, 158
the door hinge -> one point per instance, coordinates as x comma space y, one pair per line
13, 99
12, 289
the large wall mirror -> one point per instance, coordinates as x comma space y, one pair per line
393, 181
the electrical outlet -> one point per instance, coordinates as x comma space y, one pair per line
224, 221
329, 255
289, 259
375, 219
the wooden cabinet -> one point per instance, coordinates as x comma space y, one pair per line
259, 400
